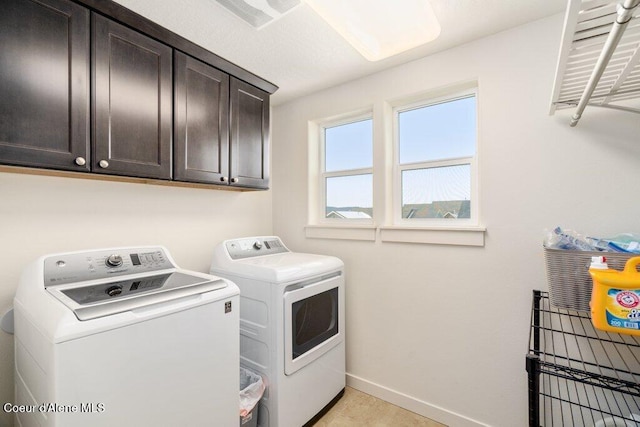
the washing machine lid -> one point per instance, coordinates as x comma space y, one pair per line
98, 299
100, 283
267, 259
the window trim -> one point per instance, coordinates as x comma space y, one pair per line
342, 120
382, 229
397, 221
458, 236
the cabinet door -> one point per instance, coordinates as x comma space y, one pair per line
201, 120
132, 102
44, 84
249, 118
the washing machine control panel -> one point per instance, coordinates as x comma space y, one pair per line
80, 267
254, 246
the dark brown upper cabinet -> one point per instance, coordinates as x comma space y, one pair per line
90, 86
132, 102
201, 120
44, 84
221, 127
249, 135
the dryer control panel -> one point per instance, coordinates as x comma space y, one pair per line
254, 246
91, 265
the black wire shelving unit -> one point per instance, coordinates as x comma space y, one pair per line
578, 375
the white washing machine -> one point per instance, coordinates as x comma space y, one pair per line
292, 325
123, 337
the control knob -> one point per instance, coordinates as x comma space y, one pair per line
257, 245
114, 260
114, 291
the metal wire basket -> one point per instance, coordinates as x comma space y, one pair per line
579, 376
568, 275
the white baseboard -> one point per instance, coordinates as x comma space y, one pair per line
412, 404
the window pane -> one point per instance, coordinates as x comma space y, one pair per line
440, 131
350, 197
349, 146
442, 192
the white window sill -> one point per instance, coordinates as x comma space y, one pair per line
339, 231
459, 236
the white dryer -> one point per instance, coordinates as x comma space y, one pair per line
292, 325
123, 337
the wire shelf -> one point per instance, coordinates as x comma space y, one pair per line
578, 375
599, 61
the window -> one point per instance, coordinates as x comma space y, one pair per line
347, 170
398, 171
435, 171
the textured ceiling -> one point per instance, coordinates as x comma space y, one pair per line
300, 53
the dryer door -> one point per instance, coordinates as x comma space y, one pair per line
313, 321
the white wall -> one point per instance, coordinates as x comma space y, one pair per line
41, 215
444, 329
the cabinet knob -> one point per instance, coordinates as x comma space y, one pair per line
223, 178
103, 164
234, 179
80, 161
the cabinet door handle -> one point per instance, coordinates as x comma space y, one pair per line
234, 180
223, 178
80, 161
103, 164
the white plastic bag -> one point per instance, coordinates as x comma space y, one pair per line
568, 240
251, 389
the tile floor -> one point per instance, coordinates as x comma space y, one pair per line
360, 409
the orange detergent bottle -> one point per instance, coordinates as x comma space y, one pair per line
615, 299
